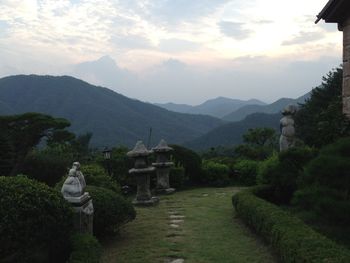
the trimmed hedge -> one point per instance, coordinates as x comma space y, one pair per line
35, 222
111, 210
85, 249
293, 240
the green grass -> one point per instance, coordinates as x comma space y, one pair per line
210, 232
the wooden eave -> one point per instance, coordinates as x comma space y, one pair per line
335, 11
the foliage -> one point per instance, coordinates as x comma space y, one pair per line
325, 186
246, 172
190, 161
96, 175
284, 176
85, 249
215, 174
111, 210
25, 131
50, 164
35, 221
320, 120
266, 169
259, 144
177, 177
293, 240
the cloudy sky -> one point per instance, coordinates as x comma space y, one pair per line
184, 51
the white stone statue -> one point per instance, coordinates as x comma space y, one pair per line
74, 185
287, 139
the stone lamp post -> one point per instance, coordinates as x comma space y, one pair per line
73, 190
163, 165
142, 172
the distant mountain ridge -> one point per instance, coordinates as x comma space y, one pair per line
272, 108
230, 134
218, 107
112, 118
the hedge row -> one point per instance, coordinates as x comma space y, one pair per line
85, 249
291, 237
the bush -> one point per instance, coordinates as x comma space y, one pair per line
215, 174
266, 169
111, 210
293, 240
97, 176
190, 161
35, 222
325, 186
246, 172
177, 177
48, 165
285, 175
85, 249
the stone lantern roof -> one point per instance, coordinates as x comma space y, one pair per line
162, 147
335, 11
139, 150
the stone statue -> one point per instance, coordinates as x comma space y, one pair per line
287, 139
74, 185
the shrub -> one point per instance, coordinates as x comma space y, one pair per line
325, 186
266, 169
177, 177
85, 249
215, 174
246, 170
35, 221
293, 240
290, 167
48, 165
111, 210
190, 161
96, 175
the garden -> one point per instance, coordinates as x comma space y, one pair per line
290, 206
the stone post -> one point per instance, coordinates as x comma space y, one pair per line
163, 167
142, 172
73, 190
346, 67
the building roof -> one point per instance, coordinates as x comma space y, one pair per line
335, 11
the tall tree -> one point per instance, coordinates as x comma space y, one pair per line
25, 131
320, 120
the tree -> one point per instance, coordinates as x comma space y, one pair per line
259, 144
320, 120
25, 131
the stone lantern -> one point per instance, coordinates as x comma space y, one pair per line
163, 165
142, 172
73, 190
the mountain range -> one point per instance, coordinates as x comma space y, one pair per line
218, 107
272, 108
230, 134
112, 118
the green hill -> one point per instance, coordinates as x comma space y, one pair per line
112, 118
230, 134
272, 108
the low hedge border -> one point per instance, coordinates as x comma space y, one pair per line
85, 249
292, 238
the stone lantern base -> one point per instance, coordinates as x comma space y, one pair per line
143, 195
163, 186
83, 213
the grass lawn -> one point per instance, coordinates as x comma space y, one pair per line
203, 229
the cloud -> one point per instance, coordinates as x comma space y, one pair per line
170, 11
234, 30
303, 37
131, 42
174, 45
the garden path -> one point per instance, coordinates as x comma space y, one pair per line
192, 226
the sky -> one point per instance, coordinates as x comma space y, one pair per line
182, 51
